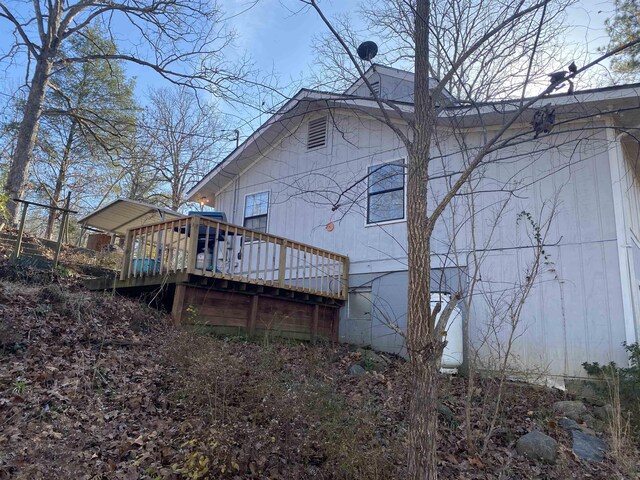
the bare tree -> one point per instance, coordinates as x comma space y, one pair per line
88, 118
182, 41
138, 178
184, 137
503, 32
495, 69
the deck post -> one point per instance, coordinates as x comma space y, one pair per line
192, 244
314, 324
282, 266
178, 303
252, 316
126, 259
345, 278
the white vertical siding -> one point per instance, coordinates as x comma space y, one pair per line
574, 313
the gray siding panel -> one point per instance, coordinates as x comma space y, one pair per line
574, 315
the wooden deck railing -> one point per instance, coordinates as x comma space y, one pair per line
216, 249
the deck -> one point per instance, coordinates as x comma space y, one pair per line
233, 279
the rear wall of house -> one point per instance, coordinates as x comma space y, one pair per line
573, 313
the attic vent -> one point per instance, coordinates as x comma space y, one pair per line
376, 88
317, 133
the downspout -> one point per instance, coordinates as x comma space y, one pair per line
234, 213
629, 291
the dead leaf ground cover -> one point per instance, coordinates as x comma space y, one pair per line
96, 386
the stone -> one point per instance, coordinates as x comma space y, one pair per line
588, 447
372, 360
356, 370
604, 413
580, 388
599, 426
571, 409
538, 446
569, 425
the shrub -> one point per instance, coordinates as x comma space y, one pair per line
621, 387
629, 378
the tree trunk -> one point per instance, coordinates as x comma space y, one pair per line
27, 133
62, 176
423, 345
423, 420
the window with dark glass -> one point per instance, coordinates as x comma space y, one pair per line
385, 195
256, 210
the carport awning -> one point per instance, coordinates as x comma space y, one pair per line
125, 214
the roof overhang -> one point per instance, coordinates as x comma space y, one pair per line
124, 214
621, 101
288, 117
584, 104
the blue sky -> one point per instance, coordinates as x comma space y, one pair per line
278, 35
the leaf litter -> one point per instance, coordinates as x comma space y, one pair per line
100, 387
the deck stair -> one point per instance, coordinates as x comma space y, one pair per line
38, 253
34, 252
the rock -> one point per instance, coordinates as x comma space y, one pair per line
588, 447
599, 426
356, 370
569, 425
587, 389
571, 409
604, 413
538, 446
372, 360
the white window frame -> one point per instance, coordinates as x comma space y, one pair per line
244, 208
400, 161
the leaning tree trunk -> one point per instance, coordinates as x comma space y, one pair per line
27, 134
424, 346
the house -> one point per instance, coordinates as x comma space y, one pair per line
326, 171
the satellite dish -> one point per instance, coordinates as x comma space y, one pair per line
367, 50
